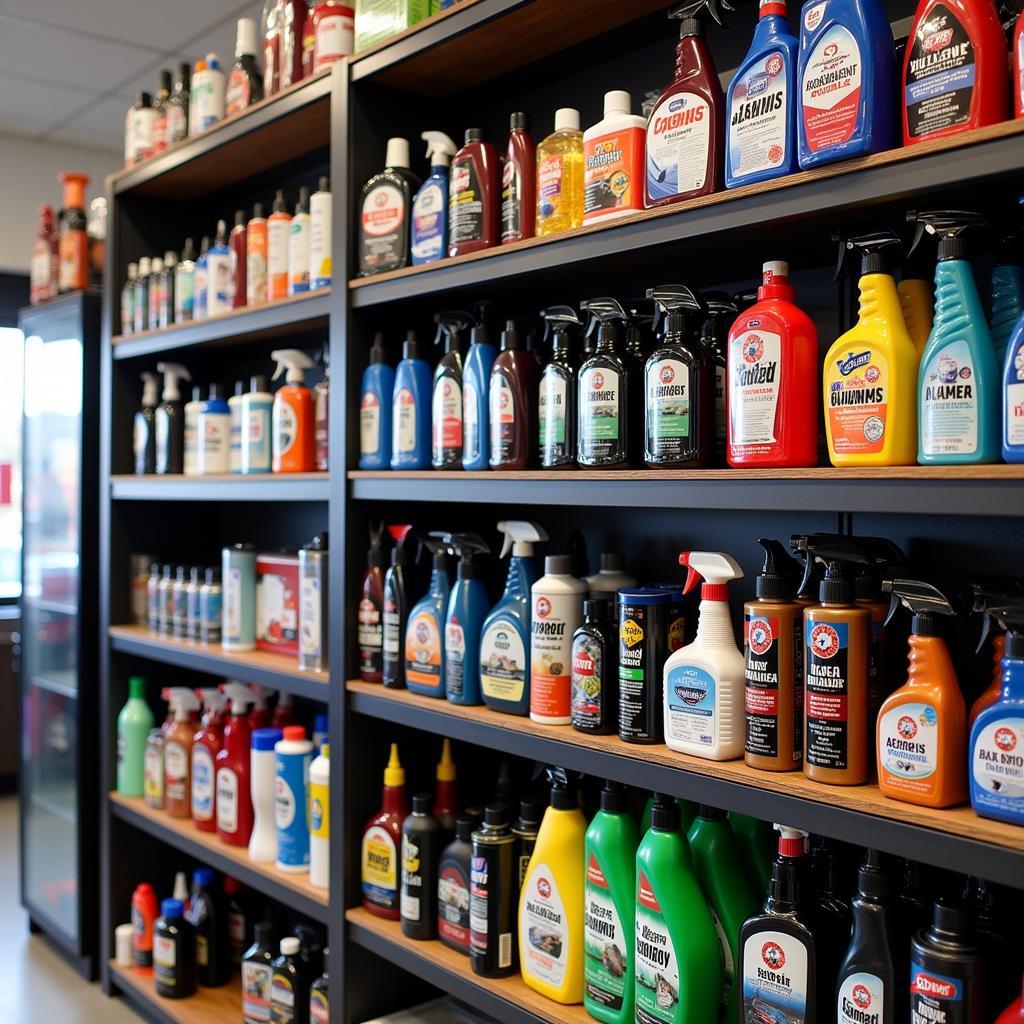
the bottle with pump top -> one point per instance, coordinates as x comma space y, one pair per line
429, 226
512, 408
493, 906
473, 222
424, 633
594, 676
519, 182
144, 436
447, 404
556, 404
422, 837
384, 207
686, 128
602, 404
292, 414
410, 409
169, 420
468, 605
376, 394
382, 838
206, 744
396, 612
476, 382
234, 792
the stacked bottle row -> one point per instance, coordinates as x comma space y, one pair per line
250, 776
661, 922
260, 260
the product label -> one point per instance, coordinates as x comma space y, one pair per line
678, 146
412, 879
552, 411
503, 420
298, 254
588, 681
319, 810
949, 402
830, 88
861, 999
634, 693
940, 75
858, 402
277, 255
935, 998
554, 619
601, 420
612, 169
774, 978
256, 979
423, 650
333, 38
380, 868
238, 92
403, 422
453, 902
370, 636
285, 427
828, 721
319, 1007
177, 125
227, 801
762, 684
202, 783
759, 106
908, 746
153, 778
454, 660
428, 211
175, 771
503, 661
472, 442
755, 380
465, 204
543, 927
480, 940
511, 202
165, 959
446, 419
997, 765
721, 421
282, 1000
668, 410
392, 633
550, 171
310, 622
690, 697
255, 273
1014, 401
382, 222
605, 943
657, 970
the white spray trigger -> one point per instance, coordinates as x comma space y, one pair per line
296, 361
240, 696
150, 389
520, 536
440, 148
212, 698
173, 373
182, 701
710, 566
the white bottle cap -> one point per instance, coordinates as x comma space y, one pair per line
245, 38
123, 945
398, 153
289, 946
618, 101
133, 271
567, 119
775, 268
157, 265
144, 267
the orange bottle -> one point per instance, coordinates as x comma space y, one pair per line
279, 225
178, 753
291, 419
256, 258
72, 239
922, 726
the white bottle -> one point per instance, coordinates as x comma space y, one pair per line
209, 95
262, 774
704, 685
319, 818
257, 408
608, 581
190, 454
213, 434
613, 195
298, 245
556, 612
320, 214
235, 406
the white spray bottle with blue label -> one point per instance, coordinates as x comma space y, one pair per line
430, 207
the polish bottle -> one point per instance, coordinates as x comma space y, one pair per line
613, 161
424, 633
430, 207
594, 686
381, 842
468, 604
512, 404
396, 613
446, 402
384, 213
278, 230
375, 402
556, 402
174, 952
556, 602
473, 197
519, 182
560, 176
422, 837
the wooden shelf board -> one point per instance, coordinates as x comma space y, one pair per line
207, 1006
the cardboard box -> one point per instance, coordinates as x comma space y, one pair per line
277, 603
377, 20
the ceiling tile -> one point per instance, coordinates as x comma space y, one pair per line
27, 108
100, 125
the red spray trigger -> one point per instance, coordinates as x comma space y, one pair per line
399, 533
692, 575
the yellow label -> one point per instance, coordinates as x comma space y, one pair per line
856, 399
423, 651
631, 632
380, 865
319, 810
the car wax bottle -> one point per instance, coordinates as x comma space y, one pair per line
686, 128
757, 844
473, 197
376, 393
718, 864
954, 70
773, 633
468, 605
289, 984
922, 727
381, 844
556, 405
602, 403
144, 915
453, 886
613, 161
1007, 290
518, 182
512, 404
867, 985
384, 207
777, 947
446, 404
609, 909
642, 635
396, 612
830, 913
958, 380
422, 836
169, 422
837, 638
430, 206
206, 914
525, 828
476, 382
493, 951
949, 969
714, 336
410, 409
679, 386
678, 958
174, 952
424, 633
594, 673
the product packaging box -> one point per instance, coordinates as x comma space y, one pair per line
277, 603
377, 20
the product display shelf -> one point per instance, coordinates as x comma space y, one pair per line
277, 671
506, 999
267, 134
293, 890
226, 487
808, 204
207, 1006
307, 311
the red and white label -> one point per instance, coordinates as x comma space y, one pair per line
830, 89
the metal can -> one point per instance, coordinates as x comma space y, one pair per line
210, 608
493, 897
313, 605
238, 612
643, 632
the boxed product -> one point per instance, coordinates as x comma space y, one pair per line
377, 20
277, 603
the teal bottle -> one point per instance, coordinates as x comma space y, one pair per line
1007, 291
133, 725
467, 606
959, 381
424, 633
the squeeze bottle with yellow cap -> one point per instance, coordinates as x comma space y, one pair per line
292, 414
382, 837
446, 800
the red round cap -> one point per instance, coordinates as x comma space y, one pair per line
294, 732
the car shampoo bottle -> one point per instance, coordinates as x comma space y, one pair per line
410, 409
464, 617
424, 634
476, 382
446, 404
378, 388
556, 400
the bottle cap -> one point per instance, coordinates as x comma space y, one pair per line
137, 688
294, 732
665, 814
557, 565
143, 99
710, 813
394, 774
644, 595
422, 803
518, 121
464, 827
613, 561
510, 336
263, 933
496, 815
290, 946
773, 269
951, 915
324, 184
265, 739
245, 38
474, 135
397, 153
216, 391
171, 908
202, 877
212, 576
617, 101
257, 383
239, 388
193, 574
257, 211
567, 119
596, 608
871, 877
165, 81
614, 798
410, 348
446, 770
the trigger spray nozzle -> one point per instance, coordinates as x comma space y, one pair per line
440, 148
694, 14
873, 248
949, 226
294, 361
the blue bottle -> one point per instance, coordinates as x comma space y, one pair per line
1013, 396
292, 757
476, 382
958, 381
505, 636
1007, 292
201, 283
997, 736
846, 81
375, 396
429, 224
467, 607
424, 633
410, 409
761, 107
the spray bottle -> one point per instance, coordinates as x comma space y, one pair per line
376, 392
292, 415
991, 592
144, 437
446, 404
476, 382
410, 409
178, 752
916, 299
714, 333
430, 206
505, 638
467, 608
1013, 396
169, 420
704, 680
370, 614
1007, 290
512, 396
556, 406
234, 792
206, 744
396, 612
602, 409
424, 634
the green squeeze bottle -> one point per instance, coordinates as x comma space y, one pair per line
133, 724
608, 909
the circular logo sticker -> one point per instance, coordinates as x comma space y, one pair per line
874, 428
906, 727
861, 996
753, 348
544, 887
773, 65
597, 380
760, 635
1005, 739
667, 374
824, 640
773, 956
543, 607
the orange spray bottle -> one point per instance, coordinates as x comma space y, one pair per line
292, 414
922, 726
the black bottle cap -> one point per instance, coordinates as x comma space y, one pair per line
474, 135
872, 880
596, 608
951, 915
144, 99
240, 218
479, 335
557, 565
531, 810
258, 382
422, 803
836, 585
184, 72
263, 933
216, 391
279, 203
562, 797
614, 798
665, 814
496, 815
510, 337
465, 826
824, 867
711, 813
780, 574
410, 348
518, 121
613, 561
165, 80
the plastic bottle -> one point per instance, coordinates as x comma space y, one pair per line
127, 294
396, 612
556, 614
446, 401
256, 255
870, 373
321, 217
174, 952
206, 744
603, 389
178, 753
519, 182
319, 818
493, 950
160, 101
289, 984
238, 604
257, 975
213, 434
154, 292
319, 991
191, 431
512, 404
411, 409
429, 240
453, 887
381, 838
376, 393
72, 239
134, 722
1013, 396
560, 176
208, 101
321, 414
153, 781
140, 303
476, 376
424, 633
384, 213
832, 923
201, 282
704, 680
207, 916
43, 274
184, 284
139, 132
551, 942
525, 829
233, 771
235, 412
292, 414
245, 83
298, 245
473, 221
1007, 290
144, 915
262, 776
333, 25
468, 605
279, 225
294, 754
556, 400
761, 108
847, 81
219, 274
916, 299
370, 614
257, 404
421, 851
165, 305
594, 704
613, 161
177, 105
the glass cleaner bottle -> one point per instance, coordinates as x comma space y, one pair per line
602, 412
557, 399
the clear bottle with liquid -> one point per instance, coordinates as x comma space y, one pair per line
560, 175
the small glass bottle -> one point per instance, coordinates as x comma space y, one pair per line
156, 274
165, 611
319, 997
153, 598
210, 597
192, 592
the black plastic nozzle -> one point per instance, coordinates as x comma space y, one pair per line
377, 349
605, 313
874, 249
949, 226
675, 302
780, 574
694, 14
837, 553
1011, 617
450, 327
558, 322
923, 600
465, 546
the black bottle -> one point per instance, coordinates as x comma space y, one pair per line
384, 211
289, 985
866, 990
722, 312
911, 913
832, 926
320, 998
174, 952
144, 439
602, 394
986, 901
595, 671
170, 424
525, 829
556, 405
446, 400
256, 975
177, 105
395, 617
206, 914
311, 948
453, 884
422, 836
493, 950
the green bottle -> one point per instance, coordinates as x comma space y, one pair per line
610, 856
133, 725
757, 847
687, 812
719, 865
678, 960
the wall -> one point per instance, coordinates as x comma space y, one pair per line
28, 177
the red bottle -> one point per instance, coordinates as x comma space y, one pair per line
473, 197
206, 745
371, 612
382, 843
513, 404
144, 913
1018, 67
234, 795
289, 54
954, 69
237, 245
519, 183
259, 717
308, 43
1014, 1013
43, 273
271, 47
333, 23
284, 712
772, 377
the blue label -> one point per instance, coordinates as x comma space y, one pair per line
691, 718
290, 808
428, 213
938, 85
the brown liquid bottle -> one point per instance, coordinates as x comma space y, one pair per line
513, 404
370, 617
178, 753
773, 671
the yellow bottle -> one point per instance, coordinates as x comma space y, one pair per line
551, 900
560, 176
870, 373
916, 302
